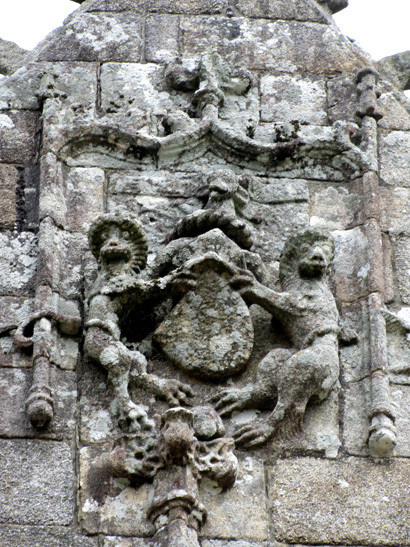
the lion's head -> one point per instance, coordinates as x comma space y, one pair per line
118, 238
308, 253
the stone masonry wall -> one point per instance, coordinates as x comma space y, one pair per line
93, 124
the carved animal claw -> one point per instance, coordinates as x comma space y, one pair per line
229, 400
137, 419
251, 435
174, 392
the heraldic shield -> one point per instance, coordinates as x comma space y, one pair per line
209, 333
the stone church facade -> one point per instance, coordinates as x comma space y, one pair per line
204, 279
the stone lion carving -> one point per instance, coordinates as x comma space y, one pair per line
118, 243
308, 313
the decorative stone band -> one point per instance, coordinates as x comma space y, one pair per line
318, 333
108, 326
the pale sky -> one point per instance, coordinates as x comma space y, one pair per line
379, 26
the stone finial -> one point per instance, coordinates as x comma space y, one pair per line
366, 80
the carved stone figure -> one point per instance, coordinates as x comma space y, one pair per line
226, 196
308, 312
119, 245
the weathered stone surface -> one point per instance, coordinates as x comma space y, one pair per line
74, 83
132, 89
18, 137
298, 10
320, 429
12, 57
72, 198
357, 408
278, 45
116, 541
395, 109
190, 7
94, 37
394, 153
84, 198
14, 386
342, 98
357, 404
355, 358
395, 203
401, 253
109, 505
351, 266
307, 493
102, 81
400, 399
209, 333
286, 98
396, 69
60, 257
14, 310
335, 208
116, 5
271, 238
334, 6
271, 191
159, 182
52, 192
161, 38
18, 254
9, 180
96, 421
222, 543
241, 112
158, 214
246, 497
19, 90
45, 495
41, 536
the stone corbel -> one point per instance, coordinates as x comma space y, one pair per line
37, 332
